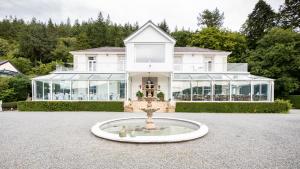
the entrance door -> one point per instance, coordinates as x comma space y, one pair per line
153, 81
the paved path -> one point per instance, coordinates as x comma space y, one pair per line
41, 140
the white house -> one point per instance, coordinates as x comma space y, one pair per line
7, 69
150, 56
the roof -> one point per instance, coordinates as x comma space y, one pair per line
3, 62
147, 24
103, 49
122, 49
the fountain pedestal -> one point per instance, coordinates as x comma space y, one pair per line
149, 110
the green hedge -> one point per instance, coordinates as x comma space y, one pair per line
279, 106
295, 100
111, 106
9, 106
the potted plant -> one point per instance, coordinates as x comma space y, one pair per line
139, 95
161, 96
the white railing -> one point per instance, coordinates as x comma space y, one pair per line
210, 67
98, 67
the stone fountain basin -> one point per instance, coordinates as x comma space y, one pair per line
169, 130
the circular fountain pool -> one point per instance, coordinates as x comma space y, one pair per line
133, 130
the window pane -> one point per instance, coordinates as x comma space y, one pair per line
46, 91
116, 90
201, 91
181, 90
79, 90
39, 90
98, 90
260, 92
221, 91
150, 53
240, 91
61, 90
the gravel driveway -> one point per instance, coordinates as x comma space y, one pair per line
41, 140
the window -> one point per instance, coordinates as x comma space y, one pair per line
150, 53
181, 90
221, 89
201, 91
92, 63
208, 63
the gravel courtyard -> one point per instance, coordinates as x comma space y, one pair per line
41, 140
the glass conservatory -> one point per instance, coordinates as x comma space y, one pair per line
222, 87
79, 87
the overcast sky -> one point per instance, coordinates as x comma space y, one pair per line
182, 13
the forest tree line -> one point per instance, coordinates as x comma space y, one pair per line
268, 41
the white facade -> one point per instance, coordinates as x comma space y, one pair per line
149, 55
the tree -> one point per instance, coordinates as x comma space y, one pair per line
259, 21
4, 47
211, 18
21, 85
35, 43
82, 41
22, 64
290, 14
164, 26
277, 56
182, 37
221, 39
63, 48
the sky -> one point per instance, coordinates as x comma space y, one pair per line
180, 13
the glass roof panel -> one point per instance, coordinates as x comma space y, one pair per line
46, 77
200, 77
182, 77
81, 77
117, 77
63, 77
253, 77
239, 76
219, 76
100, 76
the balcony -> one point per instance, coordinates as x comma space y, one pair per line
95, 67
210, 67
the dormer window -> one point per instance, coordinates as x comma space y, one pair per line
92, 63
150, 53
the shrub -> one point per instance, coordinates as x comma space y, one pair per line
9, 105
161, 96
111, 106
295, 100
139, 94
279, 106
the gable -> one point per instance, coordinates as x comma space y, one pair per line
8, 66
149, 33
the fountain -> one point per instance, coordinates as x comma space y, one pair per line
149, 110
143, 130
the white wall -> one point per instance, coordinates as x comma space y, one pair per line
104, 62
196, 63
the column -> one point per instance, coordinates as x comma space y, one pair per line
251, 90
212, 90
230, 91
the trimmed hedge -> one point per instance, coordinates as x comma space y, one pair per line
111, 106
9, 106
279, 106
295, 100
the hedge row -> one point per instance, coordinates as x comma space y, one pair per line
295, 100
111, 106
9, 106
279, 106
